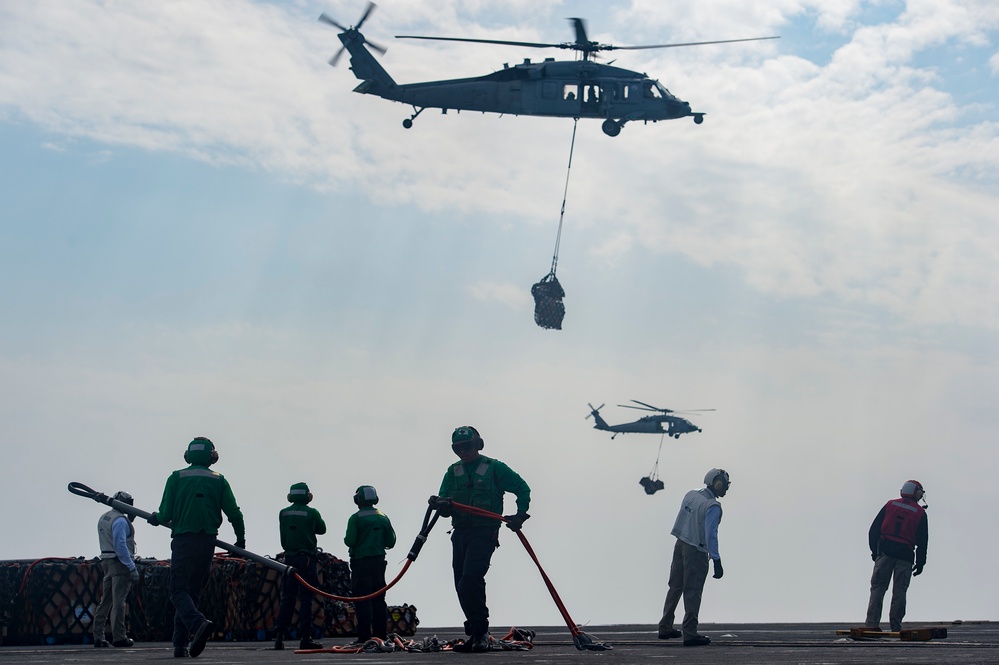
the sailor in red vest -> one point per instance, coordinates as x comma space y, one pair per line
898, 538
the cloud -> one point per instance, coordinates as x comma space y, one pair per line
509, 294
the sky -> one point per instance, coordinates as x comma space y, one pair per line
204, 232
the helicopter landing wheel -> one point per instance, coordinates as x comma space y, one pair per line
407, 123
698, 119
611, 128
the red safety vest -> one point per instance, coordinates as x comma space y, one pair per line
902, 517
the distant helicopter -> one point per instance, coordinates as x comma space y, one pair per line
561, 89
669, 425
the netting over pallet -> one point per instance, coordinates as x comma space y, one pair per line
53, 601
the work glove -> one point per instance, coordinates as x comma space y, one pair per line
441, 505
917, 569
134, 574
153, 519
874, 556
514, 522
240, 543
719, 571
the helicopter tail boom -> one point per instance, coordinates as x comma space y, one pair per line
363, 63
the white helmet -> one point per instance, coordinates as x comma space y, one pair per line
910, 487
713, 474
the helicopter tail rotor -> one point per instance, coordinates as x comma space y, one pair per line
593, 410
351, 33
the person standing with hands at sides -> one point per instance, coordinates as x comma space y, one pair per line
369, 534
696, 531
898, 538
479, 481
117, 539
299, 524
193, 502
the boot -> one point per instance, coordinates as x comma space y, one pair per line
479, 643
279, 641
309, 643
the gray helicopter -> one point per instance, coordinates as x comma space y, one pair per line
670, 425
552, 88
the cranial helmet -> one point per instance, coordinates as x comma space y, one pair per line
466, 434
366, 495
201, 451
715, 474
299, 493
910, 487
124, 497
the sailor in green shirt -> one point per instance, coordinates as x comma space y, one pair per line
369, 534
193, 502
299, 524
479, 481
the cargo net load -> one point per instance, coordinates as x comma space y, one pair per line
53, 601
548, 307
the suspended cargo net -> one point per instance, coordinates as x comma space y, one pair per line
53, 601
548, 307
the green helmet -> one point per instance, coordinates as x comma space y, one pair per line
299, 493
465, 435
201, 451
366, 495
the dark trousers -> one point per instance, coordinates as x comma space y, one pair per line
367, 575
471, 550
291, 591
687, 574
191, 557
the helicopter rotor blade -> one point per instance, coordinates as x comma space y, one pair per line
364, 17
486, 41
580, 27
654, 408
375, 47
609, 47
592, 410
336, 56
325, 18
640, 408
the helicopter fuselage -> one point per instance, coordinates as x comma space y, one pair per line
550, 88
672, 426
561, 89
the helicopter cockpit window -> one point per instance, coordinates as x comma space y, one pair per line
650, 90
663, 92
569, 92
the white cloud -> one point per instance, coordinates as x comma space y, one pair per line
511, 295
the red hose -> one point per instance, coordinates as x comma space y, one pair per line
472, 510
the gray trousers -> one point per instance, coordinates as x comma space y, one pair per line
687, 574
115, 587
886, 569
